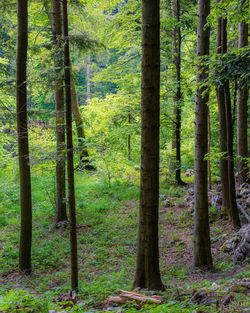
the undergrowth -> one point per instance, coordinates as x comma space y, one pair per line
107, 218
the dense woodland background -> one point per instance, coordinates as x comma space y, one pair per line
96, 59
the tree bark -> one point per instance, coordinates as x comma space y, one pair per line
208, 151
231, 178
147, 269
70, 155
176, 8
202, 250
23, 142
223, 131
61, 214
242, 142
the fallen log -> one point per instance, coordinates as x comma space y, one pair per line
133, 296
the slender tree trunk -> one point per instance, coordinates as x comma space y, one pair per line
223, 131
208, 149
178, 94
234, 106
88, 78
61, 214
231, 178
202, 250
147, 269
23, 142
176, 39
70, 155
242, 142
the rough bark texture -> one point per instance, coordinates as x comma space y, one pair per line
147, 269
202, 250
61, 214
177, 63
242, 143
23, 143
223, 131
231, 178
70, 155
208, 151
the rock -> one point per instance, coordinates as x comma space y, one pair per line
228, 298
189, 172
168, 202
239, 243
201, 297
240, 286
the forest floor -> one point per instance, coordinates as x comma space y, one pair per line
107, 236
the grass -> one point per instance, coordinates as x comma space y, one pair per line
107, 219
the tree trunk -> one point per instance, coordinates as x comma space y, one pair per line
23, 142
178, 94
70, 155
223, 132
202, 250
231, 178
208, 151
61, 214
176, 44
147, 269
242, 143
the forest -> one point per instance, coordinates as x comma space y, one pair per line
124, 156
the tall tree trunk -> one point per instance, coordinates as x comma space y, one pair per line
61, 214
176, 8
242, 142
202, 250
70, 155
223, 131
88, 78
208, 151
231, 178
147, 269
23, 142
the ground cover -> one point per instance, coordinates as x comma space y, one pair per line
107, 234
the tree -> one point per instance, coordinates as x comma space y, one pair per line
147, 269
70, 155
178, 97
223, 130
242, 143
229, 125
61, 214
226, 134
23, 142
202, 250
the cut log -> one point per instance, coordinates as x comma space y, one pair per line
116, 300
140, 298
